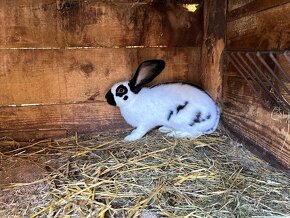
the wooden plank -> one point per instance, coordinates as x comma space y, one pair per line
32, 134
285, 65
213, 46
66, 118
81, 75
74, 23
28, 23
234, 4
244, 115
252, 7
268, 29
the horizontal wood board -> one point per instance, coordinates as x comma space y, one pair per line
242, 8
83, 75
261, 30
95, 23
235, 4
59, 120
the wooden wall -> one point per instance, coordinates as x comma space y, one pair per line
256, 25
59, 58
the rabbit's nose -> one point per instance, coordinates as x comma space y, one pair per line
110, 98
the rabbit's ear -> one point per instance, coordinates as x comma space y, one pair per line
145, 73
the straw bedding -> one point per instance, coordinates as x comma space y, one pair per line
156, 176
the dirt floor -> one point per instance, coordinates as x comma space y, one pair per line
103, 176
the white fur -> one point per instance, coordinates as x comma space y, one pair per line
151, 107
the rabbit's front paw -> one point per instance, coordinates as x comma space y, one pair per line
132, 137
135, 134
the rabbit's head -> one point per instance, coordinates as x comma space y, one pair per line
123, 93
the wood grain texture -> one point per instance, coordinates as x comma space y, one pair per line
32, 134
244, 115
234, 4
58, 120
256, 25
213, 46
95, 23
264, 30
285, 65
60, 57
251, 7
82, 75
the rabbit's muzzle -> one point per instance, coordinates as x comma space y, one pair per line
110, 98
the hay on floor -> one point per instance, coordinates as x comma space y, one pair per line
156, 176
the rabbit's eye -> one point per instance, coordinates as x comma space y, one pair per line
121, 90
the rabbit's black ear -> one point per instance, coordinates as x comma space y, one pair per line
145, 73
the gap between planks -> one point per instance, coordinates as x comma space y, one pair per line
90, 47
49, 104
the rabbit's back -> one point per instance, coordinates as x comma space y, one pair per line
189, 108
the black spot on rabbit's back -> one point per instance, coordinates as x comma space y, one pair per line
181, 107
208, 131
121, 91
197, 119
169, 115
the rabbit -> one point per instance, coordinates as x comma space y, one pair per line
180, 109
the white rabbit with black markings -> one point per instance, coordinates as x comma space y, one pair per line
181, 109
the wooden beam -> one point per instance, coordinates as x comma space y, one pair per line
253, 7
213, 46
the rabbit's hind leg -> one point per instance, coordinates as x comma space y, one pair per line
165, 129
183, 134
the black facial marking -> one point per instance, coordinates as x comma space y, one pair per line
125, 97
180, 107
208, 116
133, 88
169, 115
121, 90
110, 98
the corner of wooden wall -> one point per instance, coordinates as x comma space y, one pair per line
213, 46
